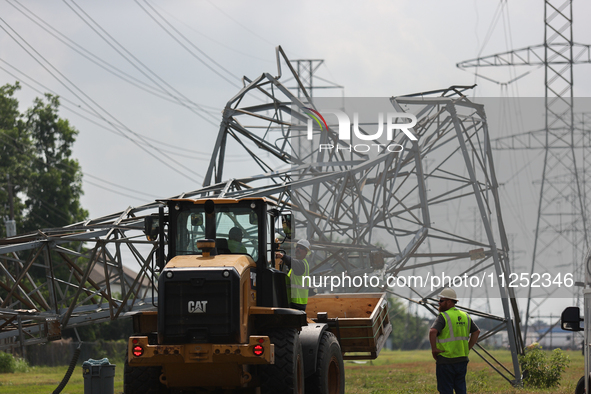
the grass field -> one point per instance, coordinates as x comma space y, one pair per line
392, 372
414, 372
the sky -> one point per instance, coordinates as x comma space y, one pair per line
385, 49
372, 49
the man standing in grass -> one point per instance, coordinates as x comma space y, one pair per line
452, 335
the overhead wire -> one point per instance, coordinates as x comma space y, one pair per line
125, 128
236, 85
189, 42
16, 143
509, 112
205, 156
210, 38
156, 91
152, 76
240, 24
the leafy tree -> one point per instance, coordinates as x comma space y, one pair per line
35, 157
408, 331
53, 195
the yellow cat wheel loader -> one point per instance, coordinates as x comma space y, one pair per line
222, 321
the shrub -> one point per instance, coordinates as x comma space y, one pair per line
542, 371
21, 365
7, 363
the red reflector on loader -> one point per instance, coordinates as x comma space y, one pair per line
258, 350
138, 351
261, 340
134, 341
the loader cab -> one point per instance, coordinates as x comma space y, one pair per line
242, 226
237, 227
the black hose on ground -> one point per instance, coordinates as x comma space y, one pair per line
70, 370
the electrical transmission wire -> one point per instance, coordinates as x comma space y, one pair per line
156, 91
211, 38
125, 128
236, 85
75, 108
126, 55
19, 145
241, 25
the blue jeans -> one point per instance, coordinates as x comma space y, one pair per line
451, 377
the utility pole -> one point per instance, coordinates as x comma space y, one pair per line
10, 223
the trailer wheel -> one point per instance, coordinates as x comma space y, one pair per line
287, 374
580, 389
329, 377
142, 380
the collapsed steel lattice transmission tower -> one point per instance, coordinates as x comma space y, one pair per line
385, 213
562, 215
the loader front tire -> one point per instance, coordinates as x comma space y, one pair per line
142, 380
287, 374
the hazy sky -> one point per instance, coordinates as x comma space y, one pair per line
373, 49
381, 48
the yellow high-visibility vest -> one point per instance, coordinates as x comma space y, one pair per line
299, 293
455, 336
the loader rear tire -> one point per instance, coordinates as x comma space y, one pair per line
329, 377
142, 380
287, 374
580, 389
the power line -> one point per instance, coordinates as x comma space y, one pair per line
16, 143
206, 155
190, 43
210, 38
75, 111
132, 56
81, 99
161, 93
114, 191
241, 25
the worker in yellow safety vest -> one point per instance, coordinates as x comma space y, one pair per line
298, 268
452, 336
235, 241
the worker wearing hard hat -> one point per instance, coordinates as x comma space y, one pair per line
452, 336
298, 268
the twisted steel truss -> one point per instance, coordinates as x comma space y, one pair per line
390, 214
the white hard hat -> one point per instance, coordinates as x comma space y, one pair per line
448, 293
304, 243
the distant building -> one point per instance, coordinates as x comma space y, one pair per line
98, 276
558, 338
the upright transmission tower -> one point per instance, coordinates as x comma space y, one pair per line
306, 72
562, 216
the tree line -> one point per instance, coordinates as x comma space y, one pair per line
40, 182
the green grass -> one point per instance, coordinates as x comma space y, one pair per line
46, 379
414, 372
393, 372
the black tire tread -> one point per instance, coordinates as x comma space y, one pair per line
142, 380
580, 389
315, 384
279, 377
